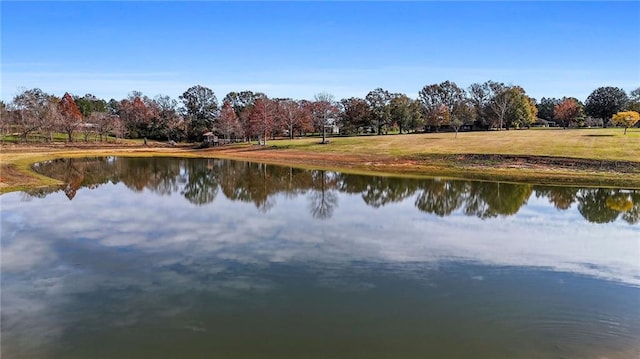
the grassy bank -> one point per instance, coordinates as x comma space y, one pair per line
594, 157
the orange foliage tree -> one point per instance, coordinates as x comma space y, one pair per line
71, 117
568, 111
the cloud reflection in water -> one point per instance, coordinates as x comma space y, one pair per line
128, 256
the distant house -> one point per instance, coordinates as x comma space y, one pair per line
540, 122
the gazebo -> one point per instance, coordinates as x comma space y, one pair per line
210, 139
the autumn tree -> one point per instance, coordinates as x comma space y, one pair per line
262, 118
379, 101
324, 112
568, 111
228, 123
604, 102
355, 114
626, 119
71, 117
441, 102
294, 117
166, 122
242, 103
200, 110
136, 114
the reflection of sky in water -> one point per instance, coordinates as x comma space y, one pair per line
112, 245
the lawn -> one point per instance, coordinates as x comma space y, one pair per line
600, 144
592, 157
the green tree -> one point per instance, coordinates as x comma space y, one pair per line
634, 100
456, 123
492, 102
379, 101
592, 204
404, 111
546, 108
200, 110
479, 96
5, 115
604, 102
561, 197
521, 110
440, 197
89, 103
202, 186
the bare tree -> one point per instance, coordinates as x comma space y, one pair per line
293, 116
33, 109
228, 123
324, 112
500, 101
261, 118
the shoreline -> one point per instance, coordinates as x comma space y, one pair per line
16, 161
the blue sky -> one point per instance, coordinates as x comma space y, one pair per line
297, 49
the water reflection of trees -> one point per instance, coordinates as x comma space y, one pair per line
200, 180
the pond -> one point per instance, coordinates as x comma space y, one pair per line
209, 258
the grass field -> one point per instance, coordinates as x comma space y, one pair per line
600, 144
549, 156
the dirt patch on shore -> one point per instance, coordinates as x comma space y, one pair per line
539, 162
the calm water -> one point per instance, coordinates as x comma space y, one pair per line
176, 258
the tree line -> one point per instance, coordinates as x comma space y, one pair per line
200, 181
35, 114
